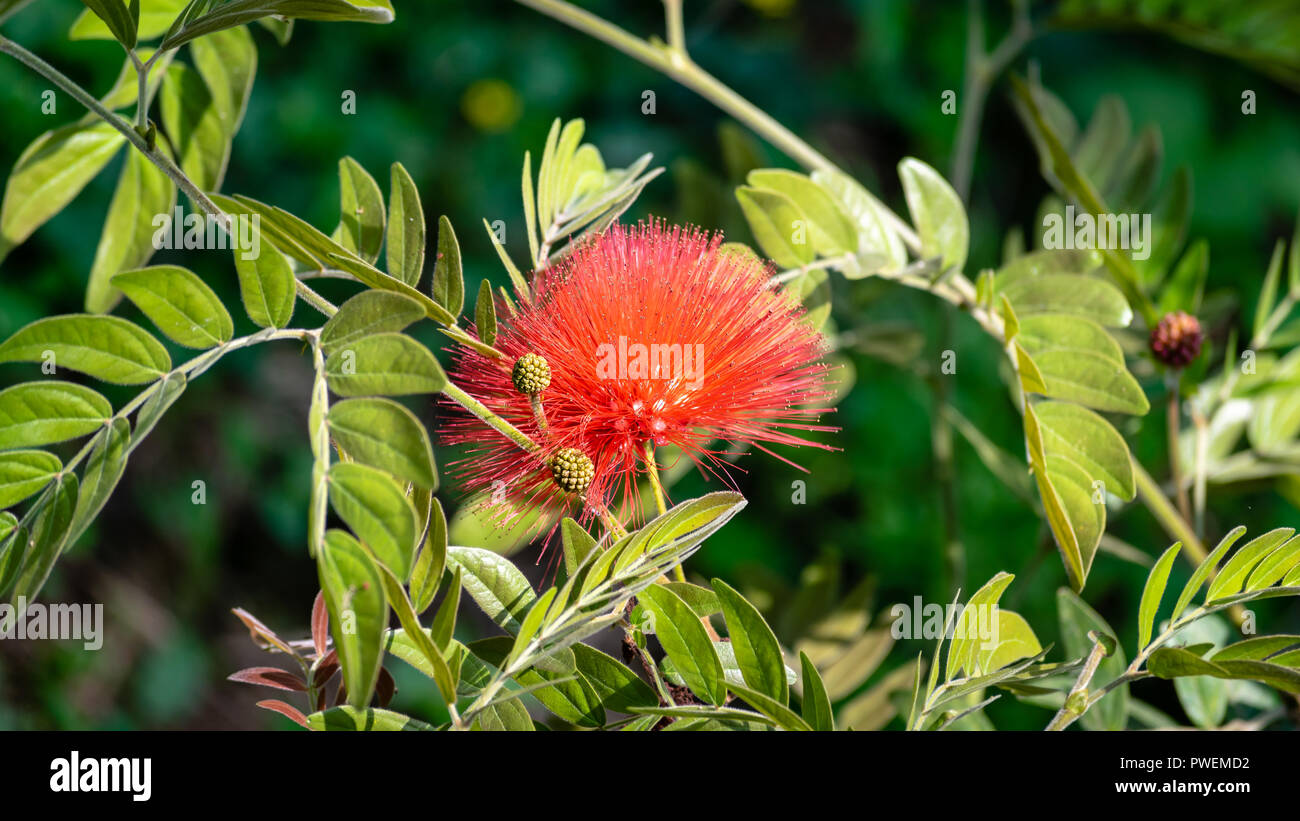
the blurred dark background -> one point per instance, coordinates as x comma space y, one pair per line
457, 91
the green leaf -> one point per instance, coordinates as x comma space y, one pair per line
1268, 291
1099, 151
964, 648
1077, 618
1255, 649
1084, 505
406, 228
431, 560
1090, 379
143, 192
485, 314
121, 21
570, 697
361, 227
358, 610
1089, 441
1187, 283
618, 687
180, 304
49, 537
1232, 577
1040, 333
685, 641
227, 62
42, 413
770, 707
385, 435
163, 397
22, 473
1077, 294
758, 652
367, 313
700, 599
577, 544
238, 12
448, 276
444, 621
193, 122
49, 174
105, 347
1176, 662
266, 281
508, 716
155, 17
1204, 569
1153, 592
779, 226
1016, 640
816, 707
879, 248
347, 718
406, 615
1275, 566
104, 468
829, 228
377, 510
937, 212
387, 364
495, 584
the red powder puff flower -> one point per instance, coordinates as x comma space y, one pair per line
644, 335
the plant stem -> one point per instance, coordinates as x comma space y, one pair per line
611, 523
656, 485
1202, 460
981, 70
678, 66
673, 24
539, 413
1167, 515
1173, 423
478, 409
183, 182
1065, 716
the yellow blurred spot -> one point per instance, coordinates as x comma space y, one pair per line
491, 105
772, 8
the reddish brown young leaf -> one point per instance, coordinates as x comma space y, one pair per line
288, 711
270, 677
323, 674
320, 624
385, 688
262, 635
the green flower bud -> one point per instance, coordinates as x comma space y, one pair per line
572, 470
531, 374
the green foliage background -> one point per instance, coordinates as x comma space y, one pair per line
457, 92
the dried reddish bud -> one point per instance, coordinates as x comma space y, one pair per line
572, 470
1176, 339
531, 374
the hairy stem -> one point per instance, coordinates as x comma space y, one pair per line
485, 414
